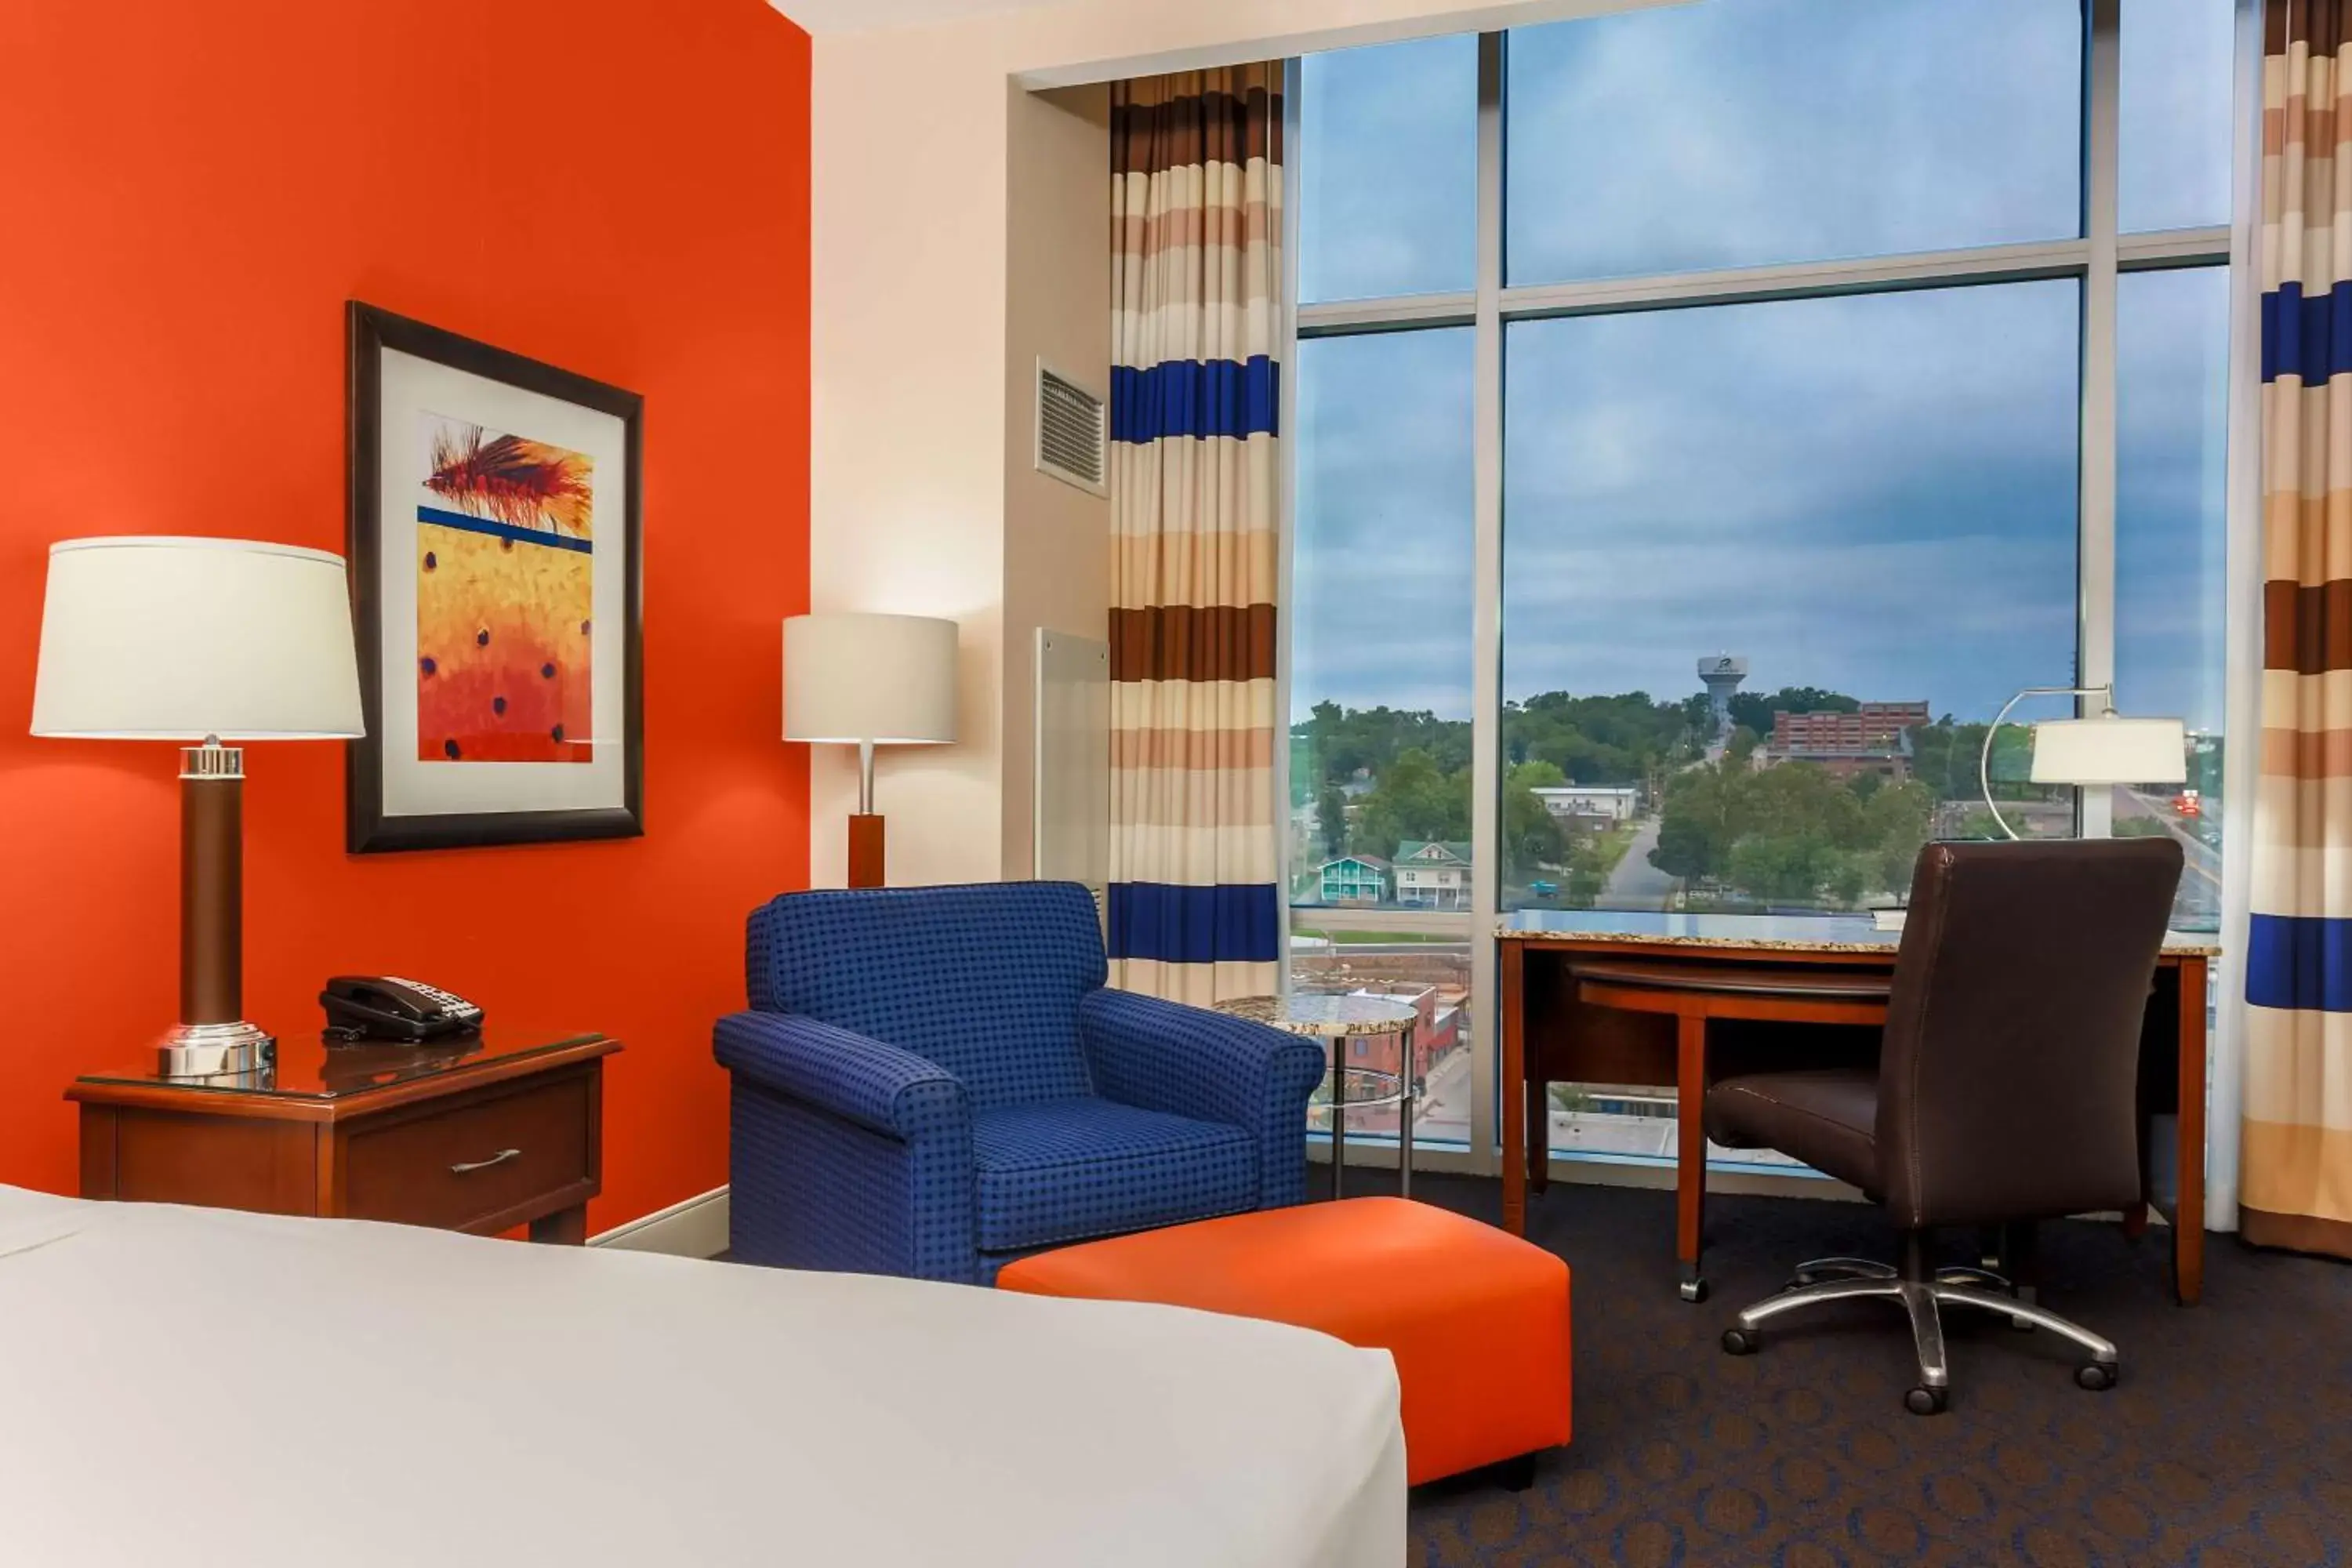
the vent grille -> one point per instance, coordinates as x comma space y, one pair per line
1071, 433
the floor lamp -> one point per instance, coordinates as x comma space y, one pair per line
209, 641
2105, 749
868, 680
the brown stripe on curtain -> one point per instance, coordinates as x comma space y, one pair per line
2307, 627
2319, 23
1190, 642
1236, 117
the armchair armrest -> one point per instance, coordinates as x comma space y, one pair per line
1189, 1061
881, 1087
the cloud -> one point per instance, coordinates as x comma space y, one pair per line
1875, 493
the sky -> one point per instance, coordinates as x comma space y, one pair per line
1873, 494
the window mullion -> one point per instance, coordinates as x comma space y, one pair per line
2095, 647
1486, 622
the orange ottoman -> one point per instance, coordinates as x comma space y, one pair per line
1476, 1319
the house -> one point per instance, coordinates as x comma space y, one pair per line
1597, 805
1353, 879
1433, 874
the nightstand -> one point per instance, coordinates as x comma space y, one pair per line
478, 1135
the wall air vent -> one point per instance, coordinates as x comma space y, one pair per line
1073, 432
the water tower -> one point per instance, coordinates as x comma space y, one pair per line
1721, 675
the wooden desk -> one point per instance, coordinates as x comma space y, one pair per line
1552, 1033
481, 1135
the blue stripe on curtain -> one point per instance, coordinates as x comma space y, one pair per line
2308, 338
1194, 397
1236, 923
2299, 962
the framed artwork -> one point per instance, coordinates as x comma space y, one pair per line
495, 555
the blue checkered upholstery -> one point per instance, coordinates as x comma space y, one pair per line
983, 979
1071, 1169
1164, 1056
931, 1080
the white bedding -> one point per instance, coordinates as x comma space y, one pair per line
190, 1387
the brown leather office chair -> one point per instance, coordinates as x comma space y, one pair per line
2005, 1093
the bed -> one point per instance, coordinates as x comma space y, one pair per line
197, 1386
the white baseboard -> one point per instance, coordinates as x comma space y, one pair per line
694, 1227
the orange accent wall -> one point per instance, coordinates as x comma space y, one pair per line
193, 191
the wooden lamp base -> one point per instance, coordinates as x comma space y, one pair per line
865, 849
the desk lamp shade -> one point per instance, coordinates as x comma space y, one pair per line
200, 640
869, 681
2110, 750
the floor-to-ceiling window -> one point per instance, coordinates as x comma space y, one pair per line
1708, 417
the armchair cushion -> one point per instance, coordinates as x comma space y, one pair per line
1072, 1169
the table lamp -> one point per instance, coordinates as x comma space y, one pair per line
202, 640
2108, 749
869, 681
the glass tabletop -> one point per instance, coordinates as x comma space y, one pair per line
1325, 1016
312, 1067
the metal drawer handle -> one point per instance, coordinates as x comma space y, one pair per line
501, 1158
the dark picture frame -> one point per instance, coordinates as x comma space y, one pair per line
369, 828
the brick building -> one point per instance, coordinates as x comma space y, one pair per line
1874, 738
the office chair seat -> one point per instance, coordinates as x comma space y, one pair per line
1825, 1117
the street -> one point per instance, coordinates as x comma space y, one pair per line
1636, 884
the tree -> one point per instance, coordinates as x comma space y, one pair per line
1782, 870
1415, 798
1695, 827
1331, 819
1533, 839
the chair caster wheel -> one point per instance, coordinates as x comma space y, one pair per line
1693, 1289
2098, 1376
1925, 1401
1740, 1341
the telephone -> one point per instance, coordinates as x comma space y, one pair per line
386, 1008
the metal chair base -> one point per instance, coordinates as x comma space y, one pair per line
1857, 1278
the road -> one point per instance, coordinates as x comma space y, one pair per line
2204, 860
1636, 884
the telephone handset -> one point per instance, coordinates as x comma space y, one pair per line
386, 1008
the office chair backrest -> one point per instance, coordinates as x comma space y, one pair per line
2007, 1080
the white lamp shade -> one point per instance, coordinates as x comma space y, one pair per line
2110, 751
176, 639
852, 677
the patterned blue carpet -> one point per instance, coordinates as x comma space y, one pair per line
2229, 1442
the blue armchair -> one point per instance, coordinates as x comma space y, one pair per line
931, 1081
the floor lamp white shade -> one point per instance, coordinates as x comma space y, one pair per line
868, 680
186, 639
885, 680
2110, 750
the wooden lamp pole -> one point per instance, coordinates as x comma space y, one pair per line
865, 825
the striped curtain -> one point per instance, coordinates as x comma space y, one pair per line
1196, 219
2295, 1179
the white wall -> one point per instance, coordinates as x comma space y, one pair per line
937, 178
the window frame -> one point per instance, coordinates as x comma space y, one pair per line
2096, 259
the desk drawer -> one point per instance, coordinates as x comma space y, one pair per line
501, 1158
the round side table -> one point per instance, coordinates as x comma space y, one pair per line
1339, 1019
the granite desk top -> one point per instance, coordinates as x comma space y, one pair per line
1808, 933
1323, 1015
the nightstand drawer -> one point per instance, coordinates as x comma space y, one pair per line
473, 1165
